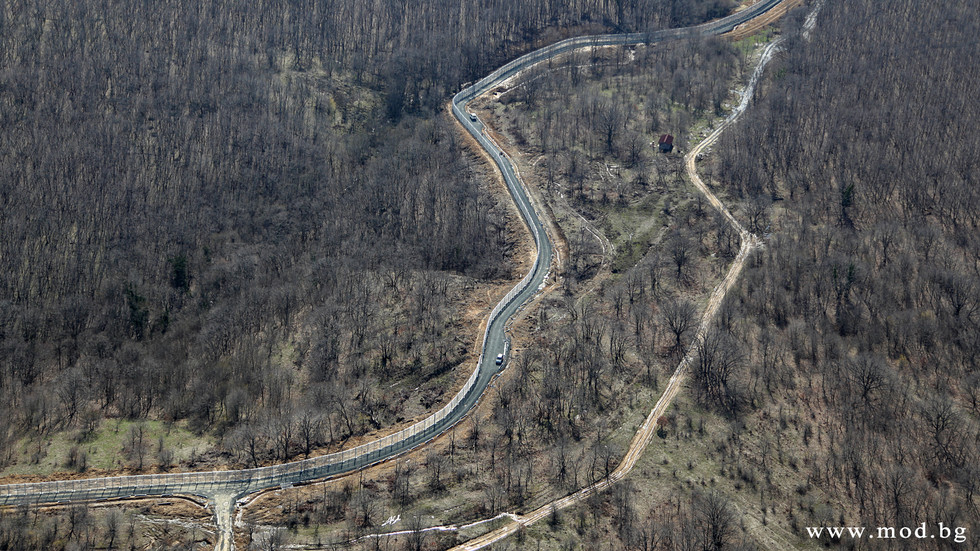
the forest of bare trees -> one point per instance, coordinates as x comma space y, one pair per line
256, 221
246, 218
552, 424
862, 312
840, 376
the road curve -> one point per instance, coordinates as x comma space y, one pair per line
646, 431
238, 483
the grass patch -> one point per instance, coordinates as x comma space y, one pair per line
104, 448
633, 229
747, 45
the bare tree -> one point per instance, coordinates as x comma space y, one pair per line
679, 315
680, 247
714, 520
136, 446
714, 371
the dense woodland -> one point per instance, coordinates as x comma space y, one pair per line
838, 385
201, 223
245, 216
594, 360
861, 315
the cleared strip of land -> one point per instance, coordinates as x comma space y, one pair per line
647, 430
225, 487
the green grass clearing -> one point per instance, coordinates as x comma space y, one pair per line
104, 448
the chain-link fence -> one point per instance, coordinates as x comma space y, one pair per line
246, 481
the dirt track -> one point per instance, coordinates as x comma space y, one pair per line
646, 431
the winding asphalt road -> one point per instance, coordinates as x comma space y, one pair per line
224, 487
645, 433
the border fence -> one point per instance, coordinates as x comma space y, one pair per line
244, 481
